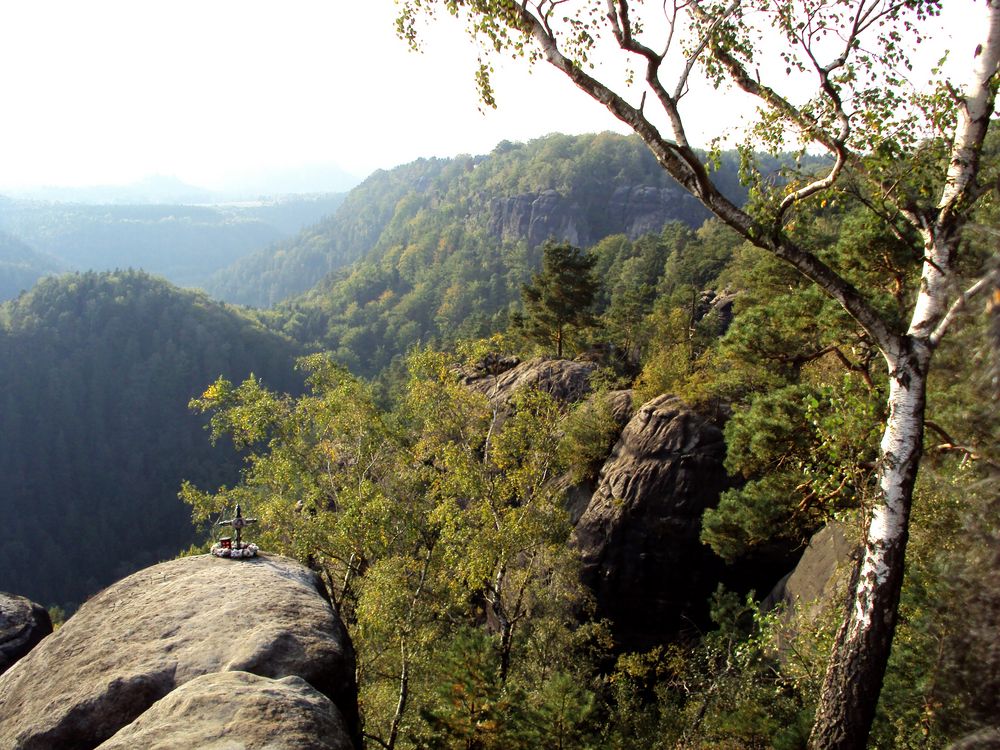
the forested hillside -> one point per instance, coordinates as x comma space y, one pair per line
431, 510
451, 241
95, 434
183, 243
577, 188
20, 266
292, 267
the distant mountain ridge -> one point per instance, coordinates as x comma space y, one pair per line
184, 243
574, 188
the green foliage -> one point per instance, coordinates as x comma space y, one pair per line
437, 512
724, 691
589, 433
559, 297
94, 431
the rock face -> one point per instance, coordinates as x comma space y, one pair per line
537, 217
563, 379
808, 592
639, 534
644, 209
142, 638
239, 710
633, 210
22, 625
822, 567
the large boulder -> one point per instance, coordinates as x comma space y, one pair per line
639, 535
162, 627
563, 379
239, 710
816, 587
22, 625
822, 569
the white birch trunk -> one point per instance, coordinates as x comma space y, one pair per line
854, 675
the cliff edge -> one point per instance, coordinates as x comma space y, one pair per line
140, 652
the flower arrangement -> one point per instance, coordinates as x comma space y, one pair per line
245, 550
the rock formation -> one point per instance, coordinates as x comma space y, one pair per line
644, 209
241, 710
22, 625
563, 379
147, 635
633, 210
638, 536
821, 569
808, 592
537, 217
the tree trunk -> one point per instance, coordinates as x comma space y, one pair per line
404, 694
858, 662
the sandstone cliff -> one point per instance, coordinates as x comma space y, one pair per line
639, 534
22, 625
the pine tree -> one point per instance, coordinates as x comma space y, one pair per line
560, 295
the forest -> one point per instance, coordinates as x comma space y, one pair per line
186, 244
94, 432
440, 521
820, 332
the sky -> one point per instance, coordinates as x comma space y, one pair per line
217, 92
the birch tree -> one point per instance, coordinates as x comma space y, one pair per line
911, 155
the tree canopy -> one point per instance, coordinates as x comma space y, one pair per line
912, 158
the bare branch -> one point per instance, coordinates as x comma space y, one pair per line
622, 30
751, 85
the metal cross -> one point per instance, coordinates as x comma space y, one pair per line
238, 522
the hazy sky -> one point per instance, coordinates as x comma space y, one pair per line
212, 91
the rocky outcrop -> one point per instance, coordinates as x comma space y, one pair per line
537, 217
620, 403
22, 625
821, 569
818, 582
563, 379
633, 210
719, 304
239, 710
638, 536
147, 635
644, 209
